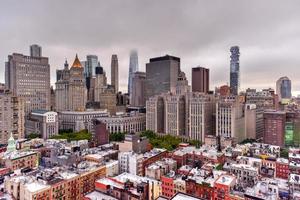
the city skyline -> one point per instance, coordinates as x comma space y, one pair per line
199, 41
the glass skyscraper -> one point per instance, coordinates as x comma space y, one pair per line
133, 67
284, 88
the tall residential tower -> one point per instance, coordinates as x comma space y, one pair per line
235, 70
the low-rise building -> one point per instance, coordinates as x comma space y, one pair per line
42, 122
125, 122
79, 120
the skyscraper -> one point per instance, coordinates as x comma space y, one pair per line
200, 79
133, 67
235, 70
35, 50
71, 92
90, 65
161, 75
115, 72
29, 77
138, 89
283, 88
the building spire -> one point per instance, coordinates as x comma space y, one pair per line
76, 62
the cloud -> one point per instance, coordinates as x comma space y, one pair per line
200, 32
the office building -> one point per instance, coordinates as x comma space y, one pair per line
161, 75
29, 77
133, 67
264, 99
230, 121
155, 109
11, 116
137, 97
274, 127
35, 50
283, 88
79, 120
133, 122
174, 114
254, 122
235, 70
115, 72
100, 133
43, 123
71, 92
200, 79
90, 65
200, 113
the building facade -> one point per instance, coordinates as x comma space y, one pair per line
133, 67
155, 109
161, 75
284, 88
129, 122
115, 72
29, 77
274, 127
200, 110
230, 121
254, 122
235, 70
42, 122
71, 92
174, 114
77, 121
200, 79
137, 97
11, 116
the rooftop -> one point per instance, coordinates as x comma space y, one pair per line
225, 180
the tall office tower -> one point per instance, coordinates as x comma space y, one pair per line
274, 127
89, 71
115, 72
29, 77
133, 67
137, 97
235, 70
35, 50
200, 110
200, 79
71, 92
175, 114
90, 65
155, 114
161, 75
103, 93
230, 122
182, 85
254, 121
284, 88
11, 116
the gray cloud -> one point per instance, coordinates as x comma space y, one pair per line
200, 32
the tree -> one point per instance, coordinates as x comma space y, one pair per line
284, 153
71, 136
117, 137
33, 135
219, 167
248, 140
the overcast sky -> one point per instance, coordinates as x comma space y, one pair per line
199, 32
